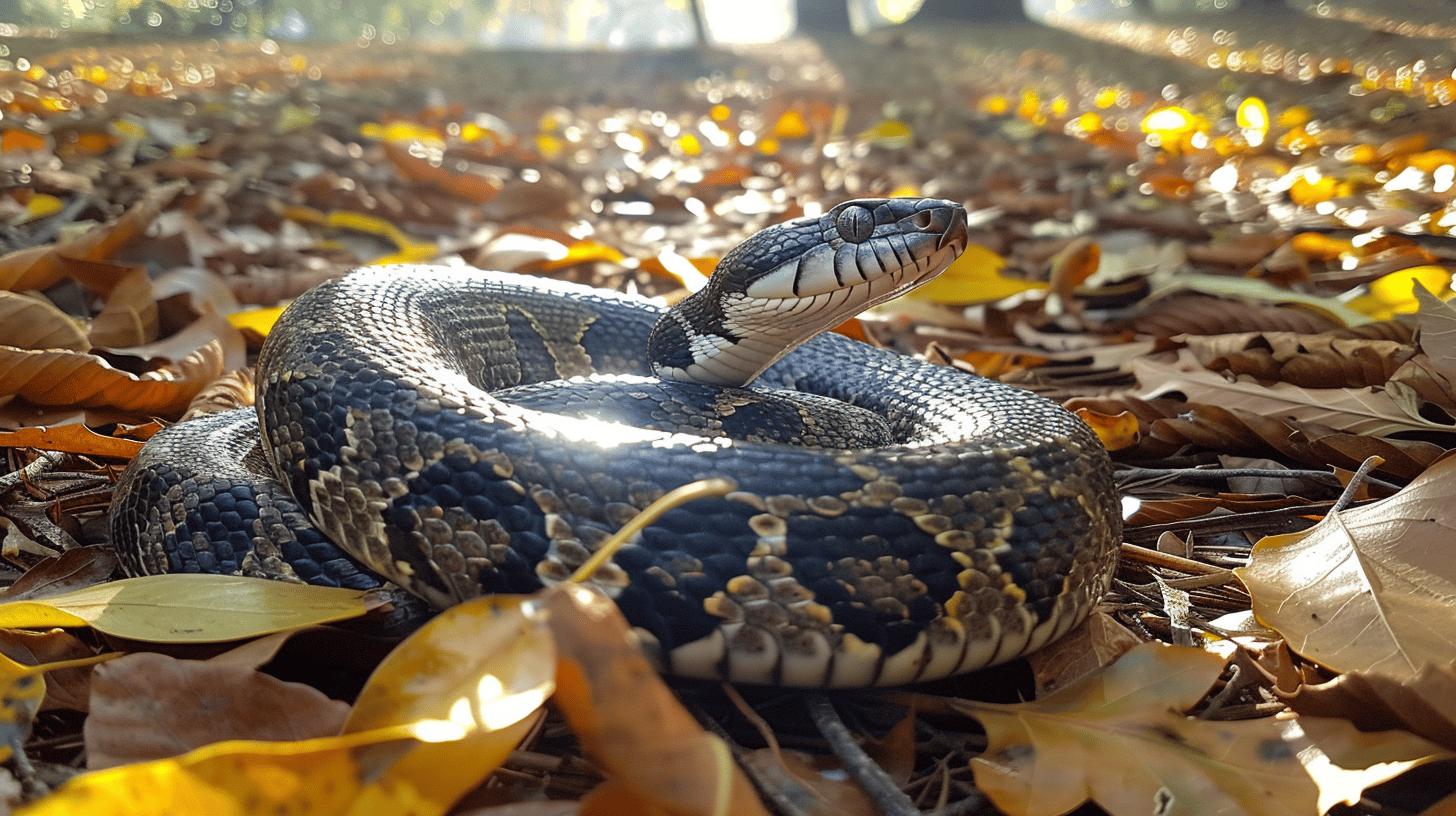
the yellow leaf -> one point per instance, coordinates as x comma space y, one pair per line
485, 666
790, 125
1116, 431
256, 323
316, 777
1367, 589
40, 206
188, 608
890, 133
579, 252
974, 277
1393, 293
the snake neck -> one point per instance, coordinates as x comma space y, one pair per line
694, 343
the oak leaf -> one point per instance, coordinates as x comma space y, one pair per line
1367, 589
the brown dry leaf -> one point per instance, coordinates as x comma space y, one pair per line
1168, 425
1365, 411
40, 267
1201, 314
33, 323
1368, 589
1424, 705
148, 706
207, 328
1310, 360
235, 389
74, 438
628, 720
1093, 644
69, 378
68, 689
71, 570
129, 317
1119, 738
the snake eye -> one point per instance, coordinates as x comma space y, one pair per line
855, 224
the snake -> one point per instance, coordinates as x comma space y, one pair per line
456, 432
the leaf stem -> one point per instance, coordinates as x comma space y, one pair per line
676, 497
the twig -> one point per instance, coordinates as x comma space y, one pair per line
1215, 474
1359, 478
1235, 522
1144, 555
882, 790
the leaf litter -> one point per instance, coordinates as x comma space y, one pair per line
1218, 271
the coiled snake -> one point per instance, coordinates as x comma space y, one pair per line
462, 432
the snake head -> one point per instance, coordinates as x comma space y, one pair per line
793, 280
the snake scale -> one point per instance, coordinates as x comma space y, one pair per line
461, 432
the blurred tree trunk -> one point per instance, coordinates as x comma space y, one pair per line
973, 11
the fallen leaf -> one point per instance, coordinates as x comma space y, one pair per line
485, 666
1392, 294
974, 277
233, 390
1368, 411
129, 317
256, 323
1095, 643
68, 689
55, 378
1119, 738
1424, 705
69, 571
73, 438
187, 608
146, 706
42, 266
1368, 589
1437, 338
1114, 431
628, 720
33, 323
815, 785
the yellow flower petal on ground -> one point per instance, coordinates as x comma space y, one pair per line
1393, 294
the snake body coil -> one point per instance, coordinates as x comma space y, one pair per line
902, 521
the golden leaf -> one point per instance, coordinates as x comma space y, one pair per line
74, 438
1115, 431
974, 277
485, 666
